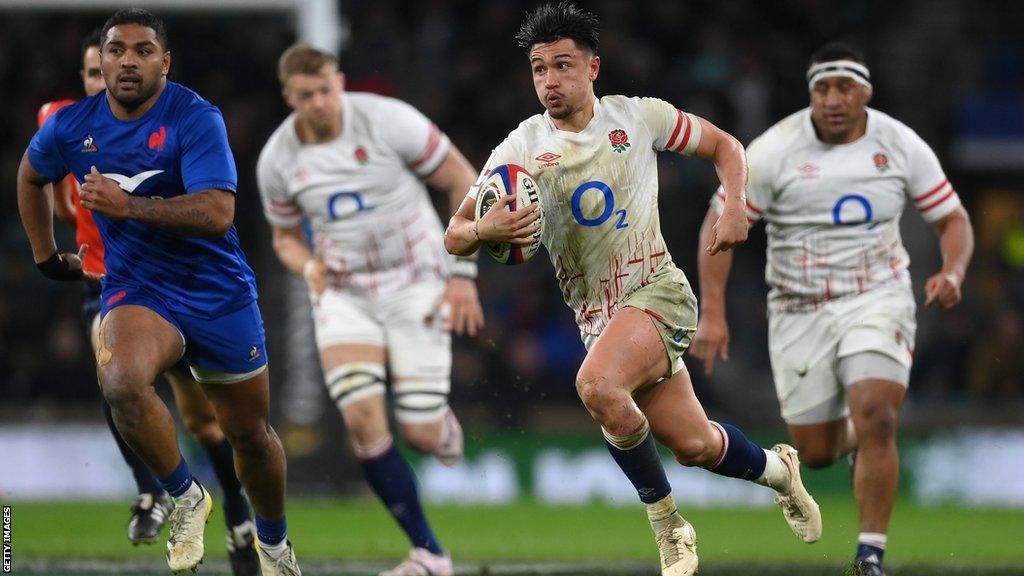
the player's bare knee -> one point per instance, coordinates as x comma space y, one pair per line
204, 429
122, 384
694, 452
251, 439
875, 422
596, 392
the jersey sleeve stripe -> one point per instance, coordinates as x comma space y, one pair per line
929, 193
675, 132
755, 209
938, 202
284, 208
686, 137
432, 142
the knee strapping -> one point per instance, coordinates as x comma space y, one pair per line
421, 405
629, 441
355, 381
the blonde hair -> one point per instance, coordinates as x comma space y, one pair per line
303, 59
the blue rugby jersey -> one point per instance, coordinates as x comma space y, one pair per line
178, 147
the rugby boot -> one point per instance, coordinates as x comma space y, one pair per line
422, 562
149, 514
185, 546
799, 508
242, 550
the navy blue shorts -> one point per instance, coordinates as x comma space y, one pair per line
225, 349
90, 306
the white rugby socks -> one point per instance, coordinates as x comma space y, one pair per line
776, 474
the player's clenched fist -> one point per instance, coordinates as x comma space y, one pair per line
730, 230
943, 288
501, 225
103, 196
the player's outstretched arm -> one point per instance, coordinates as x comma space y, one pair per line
207, 213
731, 165
956, 241
712, 337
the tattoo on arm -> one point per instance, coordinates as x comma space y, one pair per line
198, 214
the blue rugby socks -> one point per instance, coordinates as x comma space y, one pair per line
180, 484
391, 478
637, 456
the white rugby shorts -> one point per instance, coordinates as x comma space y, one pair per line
407, 324
806, 349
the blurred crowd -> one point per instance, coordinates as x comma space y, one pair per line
948, 68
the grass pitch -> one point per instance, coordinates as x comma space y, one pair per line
357, 537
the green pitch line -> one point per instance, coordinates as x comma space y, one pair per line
325, 530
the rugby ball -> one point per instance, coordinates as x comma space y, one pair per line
504, 180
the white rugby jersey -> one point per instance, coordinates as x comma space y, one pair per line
599, 194
833, 210
372, 218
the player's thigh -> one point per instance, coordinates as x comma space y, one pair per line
419, 356
676, 416
629, 354
136, 343
802, 348
241, 407
881, 321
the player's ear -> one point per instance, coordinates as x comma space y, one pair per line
868, 93
167, 62
341, 80
595, 67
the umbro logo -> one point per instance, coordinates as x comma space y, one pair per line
548, 159
808, 170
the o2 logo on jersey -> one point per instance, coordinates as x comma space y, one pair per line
858, 212
608, 198
344, 204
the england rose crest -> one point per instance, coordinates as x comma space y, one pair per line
881, 162
619, 140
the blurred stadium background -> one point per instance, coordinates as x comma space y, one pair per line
537, 485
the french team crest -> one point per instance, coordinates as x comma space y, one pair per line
88, 145
619, 140
881, 161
